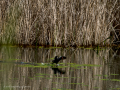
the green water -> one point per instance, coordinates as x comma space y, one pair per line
84, 69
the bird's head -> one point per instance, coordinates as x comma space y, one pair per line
63, 57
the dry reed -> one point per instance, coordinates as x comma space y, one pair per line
51, 22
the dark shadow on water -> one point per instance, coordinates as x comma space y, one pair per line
57, 70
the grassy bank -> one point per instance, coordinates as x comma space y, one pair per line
62, 22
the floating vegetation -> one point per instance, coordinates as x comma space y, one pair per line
79, 65
1, 70
88, 48
72, 83
115, 88
80, 47
39, 76
73, 77
114, 74
30, 78
96, 87
67, 83
91, 65
98, 75
62, 66
115, 80
105, 79
53, 47
75, 65
105, 75
48, 78
85, 85
32, 66
40, 46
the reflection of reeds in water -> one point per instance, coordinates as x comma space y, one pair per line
63, 22
79, 77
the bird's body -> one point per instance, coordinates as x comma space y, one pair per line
57, 59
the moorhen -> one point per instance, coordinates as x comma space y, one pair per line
57, 59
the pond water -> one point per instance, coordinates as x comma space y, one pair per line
30, 68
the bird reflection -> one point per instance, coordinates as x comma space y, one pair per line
57, 70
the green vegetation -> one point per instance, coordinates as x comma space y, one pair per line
58, 23
115, 80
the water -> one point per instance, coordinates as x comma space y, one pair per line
84, 69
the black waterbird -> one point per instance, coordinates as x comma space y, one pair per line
57, 59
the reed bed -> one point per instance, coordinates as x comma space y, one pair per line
62, 22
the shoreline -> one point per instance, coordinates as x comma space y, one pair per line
59, 46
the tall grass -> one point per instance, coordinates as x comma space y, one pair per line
62, 22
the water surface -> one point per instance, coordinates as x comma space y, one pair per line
84, 69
